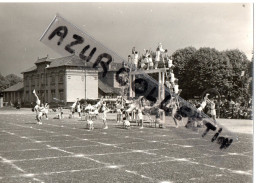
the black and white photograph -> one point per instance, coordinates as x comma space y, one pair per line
134, 92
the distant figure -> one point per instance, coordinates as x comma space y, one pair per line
176, 86
46, 110
147, 60
18, 106
105, 111
72, 110
78, 108
158, 117
213, 110
136, 56
39, 110
175, 115
90, 125
158, 52
140, 117
172, 78
169, 60
38, 102
60, 112
119, 112
129, 61
126, 123
150, 62
203, 103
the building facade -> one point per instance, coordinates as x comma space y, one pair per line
60, 80
63, 80
13, 94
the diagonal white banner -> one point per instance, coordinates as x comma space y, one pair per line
66, 39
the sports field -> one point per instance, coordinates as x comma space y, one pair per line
65, 151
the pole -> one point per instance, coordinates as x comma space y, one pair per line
45, 83
85, 82
159, 87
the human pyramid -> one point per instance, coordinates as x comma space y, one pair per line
146, 62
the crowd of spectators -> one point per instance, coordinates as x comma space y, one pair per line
229, 109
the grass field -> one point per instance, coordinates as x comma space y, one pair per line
65, 151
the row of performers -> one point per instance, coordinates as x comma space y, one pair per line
146, 61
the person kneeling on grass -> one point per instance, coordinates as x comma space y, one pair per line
126, 123
90, 125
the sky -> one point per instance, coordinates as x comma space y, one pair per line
120, 26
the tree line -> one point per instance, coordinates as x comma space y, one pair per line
229, 72
9, 80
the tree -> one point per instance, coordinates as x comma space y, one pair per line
13, 79
3, 82
240, 74
180, 59
8, 81
207, 68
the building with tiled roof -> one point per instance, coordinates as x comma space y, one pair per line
13, 94
67, 78
15, 87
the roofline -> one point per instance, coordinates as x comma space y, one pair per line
28, 71
14, 85
71, 66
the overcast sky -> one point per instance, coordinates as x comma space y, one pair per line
120, 26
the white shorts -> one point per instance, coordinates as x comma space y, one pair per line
39, 114
89, 122
140, 117
38, 102
213, 112
126, 123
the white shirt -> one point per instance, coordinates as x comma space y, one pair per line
203, 104
157, 57
150, 61
176, 89
135, 59
169, 63
172, 77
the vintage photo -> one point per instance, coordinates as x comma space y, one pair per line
126, 92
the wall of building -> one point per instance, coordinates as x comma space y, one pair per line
60, 84
79, 87
48, 83
109, 79
12, 97
1, 102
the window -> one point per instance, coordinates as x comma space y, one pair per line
47, 98
27, 96
52, 94
42, 79
61, 92
60, 78
26, 81
37, 80
33, 81
52, 78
